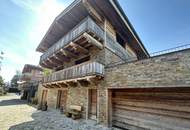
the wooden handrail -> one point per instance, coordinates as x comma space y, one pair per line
85, 69
86, 25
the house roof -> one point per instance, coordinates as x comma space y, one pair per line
74, 13
130, 26
64, 22
29, 67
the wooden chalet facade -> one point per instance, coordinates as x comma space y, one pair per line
79, 47
29, 80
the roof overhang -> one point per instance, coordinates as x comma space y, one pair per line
109, 9
62, 24
112, 11
29, 67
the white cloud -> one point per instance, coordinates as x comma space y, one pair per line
7, 72
45, 12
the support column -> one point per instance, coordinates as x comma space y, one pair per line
109, 107
98, 105
87, 105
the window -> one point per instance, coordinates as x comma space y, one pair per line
120, 40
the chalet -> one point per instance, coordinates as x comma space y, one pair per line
100, 64
29, 80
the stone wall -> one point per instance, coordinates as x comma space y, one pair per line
78, 96
169, 70
52, 98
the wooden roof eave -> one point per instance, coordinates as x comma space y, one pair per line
129, 25
111, 10
57, 23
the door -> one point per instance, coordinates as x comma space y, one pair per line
158, 108
44, 96
61, 98
93, 103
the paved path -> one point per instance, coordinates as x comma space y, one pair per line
15, 114
14, 111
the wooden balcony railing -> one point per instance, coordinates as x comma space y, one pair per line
87, 25
30, 77
116, 48
77, 71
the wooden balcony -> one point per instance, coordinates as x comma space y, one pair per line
77, 42
26, 77
30, 77
79, 73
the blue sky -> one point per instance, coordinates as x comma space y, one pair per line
160, 24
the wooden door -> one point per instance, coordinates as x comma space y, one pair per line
44, 96
93, 103
61, 98
153, 109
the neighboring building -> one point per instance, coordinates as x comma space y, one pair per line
2, 86
84, 47
13, 88
1, 90
29, 80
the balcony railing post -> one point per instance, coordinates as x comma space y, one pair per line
85, 69
86, 25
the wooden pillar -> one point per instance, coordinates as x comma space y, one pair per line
109, 107
87, 105
98, 105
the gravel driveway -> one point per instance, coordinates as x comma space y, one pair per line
15, 114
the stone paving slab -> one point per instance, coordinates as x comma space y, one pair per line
15, 114
14, 111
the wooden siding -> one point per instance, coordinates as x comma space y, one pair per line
116, 48
62, 99
151, 109
44, 96
77, 71
87, 25
93, 103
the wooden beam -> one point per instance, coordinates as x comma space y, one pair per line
92, 11
47, 63
68, 53
72, 83
94, 80
58, 85
62, 84
55, 85
57, 57
48, 86
83, 50
62, 57
43, 64
93, 41
56, 60
44, 85
84, 82
51, 62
